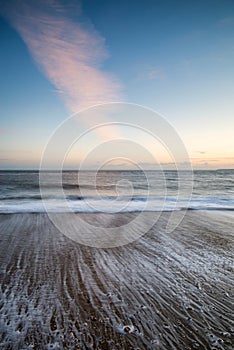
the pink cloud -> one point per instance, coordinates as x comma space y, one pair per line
69, 53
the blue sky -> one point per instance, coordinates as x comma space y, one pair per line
175, 57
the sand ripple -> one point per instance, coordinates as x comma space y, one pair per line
164, 291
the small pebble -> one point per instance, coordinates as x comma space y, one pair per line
189, 308
128, 329
166, 325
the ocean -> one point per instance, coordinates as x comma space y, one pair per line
163, 290
115, 191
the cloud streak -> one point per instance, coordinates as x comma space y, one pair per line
70, 53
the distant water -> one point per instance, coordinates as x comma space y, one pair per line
115, 191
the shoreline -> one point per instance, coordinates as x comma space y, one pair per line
172, 290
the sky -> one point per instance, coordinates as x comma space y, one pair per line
61, 57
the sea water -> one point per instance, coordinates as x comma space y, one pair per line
115, 191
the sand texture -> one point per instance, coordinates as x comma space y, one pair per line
163, 291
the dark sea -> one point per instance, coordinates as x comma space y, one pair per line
115, 191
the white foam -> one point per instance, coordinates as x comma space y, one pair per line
110, 205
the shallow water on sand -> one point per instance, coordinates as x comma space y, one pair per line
164, 291
115, 191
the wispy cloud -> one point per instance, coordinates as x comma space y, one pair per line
213, 163
201, 152
226, 21
69, 52
149, 72
153, 73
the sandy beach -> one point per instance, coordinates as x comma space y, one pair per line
163, 291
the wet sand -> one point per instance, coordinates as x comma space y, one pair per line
164, 291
